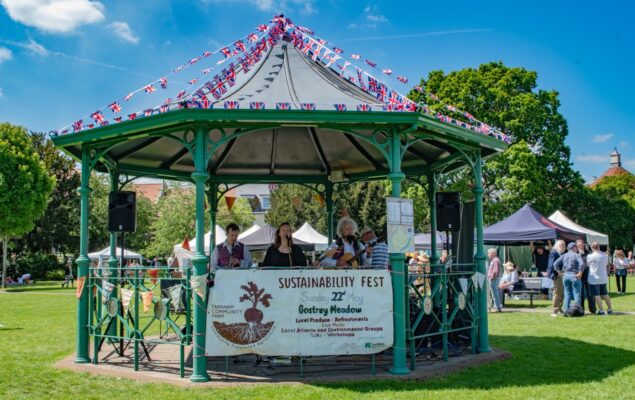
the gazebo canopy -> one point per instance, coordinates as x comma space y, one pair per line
291, 116
527, 225
104, 254
591, 235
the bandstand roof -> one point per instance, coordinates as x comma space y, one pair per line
289, 116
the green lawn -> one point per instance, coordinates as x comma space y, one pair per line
553, 358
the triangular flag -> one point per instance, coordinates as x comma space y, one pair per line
147, 300
230, 202
199, 285
463, 283
126, 296
81, 280
344, 213
186, 244
154, 274
474, 281
481, 280
106, 290
319, 199
175, 295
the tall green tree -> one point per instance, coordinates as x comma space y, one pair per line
509, 98
25, 186
57, 230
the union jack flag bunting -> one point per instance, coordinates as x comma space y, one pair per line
390, 107
128, 97
149, 89
98, 117
363, 107
148, 112
262, 28
164, 83
394, 98
372, 84
371, 63
217, 95
132, 116
381, 92
252, 37
419, 89
193, 81
257, 105
355, 56
307, 106
402, 79
118, 119
240, 45
230, 76
231, 105
77, 125
115, 107
340, 107
163, 109
180, 94
64, 132
204, 103
283, 106
194, 60
387, 71
207, 54
360, 78
331, 59
91, 126
104, 123
226, 52
468, 115
410, 106
338, 50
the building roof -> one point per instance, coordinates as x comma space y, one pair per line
613, 171
151, 191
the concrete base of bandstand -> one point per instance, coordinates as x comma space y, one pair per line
247, 370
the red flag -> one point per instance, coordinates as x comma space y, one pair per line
186, 244
230, 202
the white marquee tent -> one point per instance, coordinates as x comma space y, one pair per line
105, 254
307, 234
591, 235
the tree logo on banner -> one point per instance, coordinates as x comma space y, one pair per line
252, 330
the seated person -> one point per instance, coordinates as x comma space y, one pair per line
376, 251
283, 253
231, 253
509, 279
346, 251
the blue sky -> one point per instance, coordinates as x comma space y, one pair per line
62, 59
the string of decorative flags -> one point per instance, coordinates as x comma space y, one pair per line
244, 54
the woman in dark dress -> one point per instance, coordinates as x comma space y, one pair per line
283, 253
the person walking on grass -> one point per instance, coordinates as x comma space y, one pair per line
68, 274
494, 272
571, 266
598, 278
586, 291
558, 288
621, 268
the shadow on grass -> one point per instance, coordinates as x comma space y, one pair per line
536, 361
36, 288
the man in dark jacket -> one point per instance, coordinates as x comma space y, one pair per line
558, 288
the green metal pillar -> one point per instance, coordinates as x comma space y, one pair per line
200, 176
112, 260
212, 200
329, 211
434, 253
480, 257
398, 268
81, 356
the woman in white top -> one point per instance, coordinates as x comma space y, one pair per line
621, 267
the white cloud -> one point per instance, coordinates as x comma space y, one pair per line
123, 31
593, 158
602, 138
5, 54
54, 16
372, 17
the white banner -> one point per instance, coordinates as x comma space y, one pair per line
299, 312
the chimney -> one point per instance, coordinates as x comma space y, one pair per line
616, 158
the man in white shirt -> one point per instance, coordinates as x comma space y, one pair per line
598, 278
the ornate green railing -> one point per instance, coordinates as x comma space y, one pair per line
117, 298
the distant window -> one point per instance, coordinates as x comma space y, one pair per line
264, 202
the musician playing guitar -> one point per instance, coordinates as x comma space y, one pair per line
346, 251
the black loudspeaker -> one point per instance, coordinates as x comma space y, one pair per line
448, 211
122, 212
